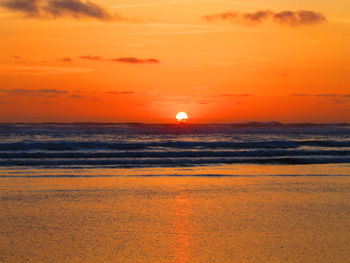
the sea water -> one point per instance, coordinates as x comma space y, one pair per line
107, 149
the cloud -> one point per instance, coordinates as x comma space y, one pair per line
81, 97
51, 91
120, 92
333, 95
236, 95
133, 60
170, 2
203, 99
66, 59
40, 91
130, 60
301, 94
88, 57
76, 8
257, 16
29, 7
226, 16
60, 8
301, 17
40, 70
323, 95
291, 18
34, 92
75, 96
321, 98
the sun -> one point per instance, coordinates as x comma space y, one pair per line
181, 116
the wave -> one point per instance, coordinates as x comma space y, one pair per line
173, 162
78, 145
170, 154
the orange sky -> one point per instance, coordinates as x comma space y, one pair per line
145, 60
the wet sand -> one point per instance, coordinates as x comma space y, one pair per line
176, 219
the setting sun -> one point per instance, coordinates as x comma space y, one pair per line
181, 116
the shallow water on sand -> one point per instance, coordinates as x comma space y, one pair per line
175, 219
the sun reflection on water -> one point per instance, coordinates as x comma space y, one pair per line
182, 228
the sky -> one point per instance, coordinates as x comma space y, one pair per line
221, 61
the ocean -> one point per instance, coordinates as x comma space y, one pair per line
107, 149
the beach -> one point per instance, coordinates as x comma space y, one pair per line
175, 219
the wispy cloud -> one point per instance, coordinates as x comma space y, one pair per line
76, 8
88, 57
336, 98
326, 95
66, 59
75, 96
61, 8
202, 99
133, 60
236, 95
34, 92
120, 92
170, 2
287, 17
82, 97
130, 60
40, 70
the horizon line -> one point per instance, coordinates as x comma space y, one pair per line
187, 123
